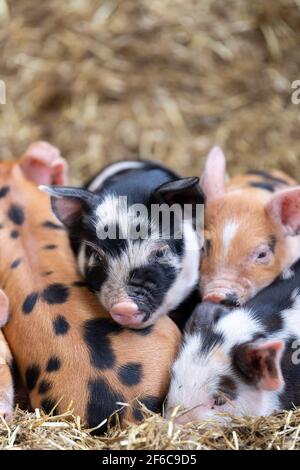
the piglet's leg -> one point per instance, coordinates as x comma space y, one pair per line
43, 164
6, 381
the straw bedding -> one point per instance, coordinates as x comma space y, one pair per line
162, 79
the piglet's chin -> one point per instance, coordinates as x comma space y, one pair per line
127, 314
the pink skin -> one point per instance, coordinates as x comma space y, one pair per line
3, 309
43, 164
126, 313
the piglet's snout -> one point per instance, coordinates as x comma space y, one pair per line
227, 293
126, 313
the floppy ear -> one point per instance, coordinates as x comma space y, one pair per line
69, 204
181, 191
4, 308
259, 363
213, 178
284, 208
43, 164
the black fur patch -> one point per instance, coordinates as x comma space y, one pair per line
14, 234
102, 403
16, 263
60, 325
228, 386
31, 376
96, 335
48, 404
16, 214
95, 276
151, 402
4, 191
267, 176
130, 374
55, 294
49, 247
30, 302
52, 225
210, 340
263, 185
53, 364
44, 387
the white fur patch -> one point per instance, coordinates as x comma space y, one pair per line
229, 232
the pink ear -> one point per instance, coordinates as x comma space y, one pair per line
265, 358
43, 164
284, 208
3, 308
212, 181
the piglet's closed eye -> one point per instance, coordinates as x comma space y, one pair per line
259, 363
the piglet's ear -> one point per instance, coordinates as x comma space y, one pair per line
43, 164
69, 204
213, 178
4, 306
259, 363
284, 208
181, 191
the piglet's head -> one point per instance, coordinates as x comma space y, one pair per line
137, 280
248, 236
220, 373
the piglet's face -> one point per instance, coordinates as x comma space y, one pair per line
219, 373
247, 236
244, 251
137, 279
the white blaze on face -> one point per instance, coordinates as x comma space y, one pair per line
229, 232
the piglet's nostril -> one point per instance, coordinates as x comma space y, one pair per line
231, 300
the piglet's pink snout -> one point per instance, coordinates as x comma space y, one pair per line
126, 313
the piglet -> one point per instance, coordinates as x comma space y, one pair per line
243, 361
142, 277
251, 228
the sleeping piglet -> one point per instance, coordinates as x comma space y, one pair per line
138, 269
241, 361
251, 228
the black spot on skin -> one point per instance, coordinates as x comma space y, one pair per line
54, 364
151, 402
4, 191
96, 335
102, 404
79, 284
31, 376
52, 225
228, 387
16, 263
130, 374
267, 176
14, 234
55, 294
48, 404
60, 325
95, 277
30, 302
49, 247
261, 185
44, 387
16, 214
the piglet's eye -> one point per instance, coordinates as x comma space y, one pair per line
219, 400
262, 255
162, 252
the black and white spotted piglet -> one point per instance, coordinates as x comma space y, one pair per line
244, 361
137, 278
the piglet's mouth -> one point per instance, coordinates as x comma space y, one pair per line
127, 313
